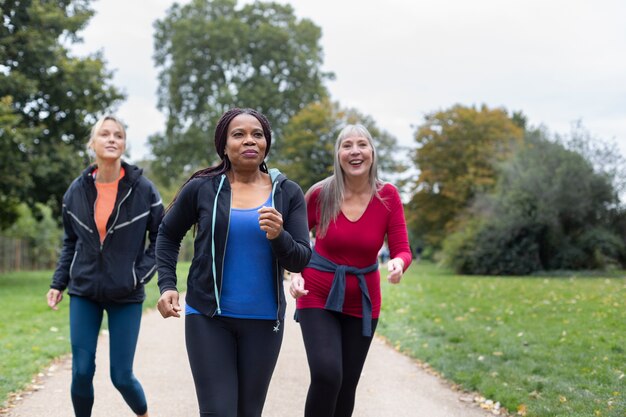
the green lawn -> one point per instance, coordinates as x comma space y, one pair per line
31, 334
551, 346
556, 346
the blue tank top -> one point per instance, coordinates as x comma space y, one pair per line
248, 289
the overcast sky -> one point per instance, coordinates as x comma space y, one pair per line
557, 61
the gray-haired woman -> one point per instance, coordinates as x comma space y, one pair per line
338, 294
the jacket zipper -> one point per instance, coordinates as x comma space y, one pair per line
217, 293
279, 280
117, 215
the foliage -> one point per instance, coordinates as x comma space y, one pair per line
36, 335
550, 210
13, 187
39, 229
605, 156
49, 98
546, 347
307, 151
457, 153
213, 56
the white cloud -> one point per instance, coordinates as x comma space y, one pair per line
557, 61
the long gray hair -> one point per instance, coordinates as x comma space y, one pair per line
333, 187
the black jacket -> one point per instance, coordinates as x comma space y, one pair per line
117, 269
205, 201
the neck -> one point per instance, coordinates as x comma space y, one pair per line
357, 185
246, 177
108, 171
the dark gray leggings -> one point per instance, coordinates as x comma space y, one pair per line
232, 361
336, 350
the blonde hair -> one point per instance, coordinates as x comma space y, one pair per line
333, 187
96, 128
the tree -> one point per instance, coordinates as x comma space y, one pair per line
457, 153
307, 152
12, 185
49, 98
551, 209
213, 56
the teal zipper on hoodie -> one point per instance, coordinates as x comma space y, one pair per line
274, 173
217, 295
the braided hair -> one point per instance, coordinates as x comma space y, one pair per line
220, 138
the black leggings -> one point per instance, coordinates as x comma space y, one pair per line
232, 361
336, 350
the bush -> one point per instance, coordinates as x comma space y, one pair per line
551, 210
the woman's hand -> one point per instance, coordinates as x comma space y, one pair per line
270, 221
54, 297
296, 289
395, 267
168, 304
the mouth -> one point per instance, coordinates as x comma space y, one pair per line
356, 162
250, 154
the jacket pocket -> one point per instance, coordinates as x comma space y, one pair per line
83, 273
201, 273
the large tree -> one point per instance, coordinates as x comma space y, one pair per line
307, 152
458, 150
49, 98
213, 55
551, 209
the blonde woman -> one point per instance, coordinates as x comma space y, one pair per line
108, 211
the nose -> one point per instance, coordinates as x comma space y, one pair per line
249, 140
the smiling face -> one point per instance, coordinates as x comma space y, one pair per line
355, 156
109, 141
245, 142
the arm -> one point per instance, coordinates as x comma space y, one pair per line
147, 268
296, 288
397, 239
61, 276
291, 245
177, 221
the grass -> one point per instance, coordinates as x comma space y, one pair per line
32, 335
542, 346
554, 347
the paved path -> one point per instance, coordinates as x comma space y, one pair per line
391, 385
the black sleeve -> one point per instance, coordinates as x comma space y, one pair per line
147, 269
61, 276
177, 221
292, 246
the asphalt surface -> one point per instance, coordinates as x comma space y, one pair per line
391, 384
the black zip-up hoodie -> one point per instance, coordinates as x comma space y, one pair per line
117, 269
206, 201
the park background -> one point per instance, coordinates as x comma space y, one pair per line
501, 122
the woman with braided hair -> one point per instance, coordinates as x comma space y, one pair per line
251, 224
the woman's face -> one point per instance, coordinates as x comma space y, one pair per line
246, 142
355, 156
109, 142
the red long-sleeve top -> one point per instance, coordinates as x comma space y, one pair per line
356, 243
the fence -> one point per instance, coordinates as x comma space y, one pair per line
21, 255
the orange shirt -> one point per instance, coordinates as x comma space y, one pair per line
107, 192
